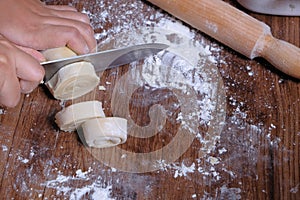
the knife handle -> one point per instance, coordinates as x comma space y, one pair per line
235, 29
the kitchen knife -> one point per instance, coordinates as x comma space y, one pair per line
106, 59
273, 7
237, 30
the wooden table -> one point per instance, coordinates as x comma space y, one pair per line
255, 154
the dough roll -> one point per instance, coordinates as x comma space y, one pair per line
71, 117
73, 80
105, 132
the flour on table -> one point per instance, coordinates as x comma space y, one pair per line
93, 189
2, 111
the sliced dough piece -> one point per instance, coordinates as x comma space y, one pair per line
71, 117
73, 80
58, 53
105, 132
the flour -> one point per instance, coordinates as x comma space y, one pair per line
180, 170
2, 111
4, 148
230, 193
295, 189
23, 160
94, 190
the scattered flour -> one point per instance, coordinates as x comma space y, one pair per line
2, 111
180, 170
93, 190
4, 148
230, 193
295, 189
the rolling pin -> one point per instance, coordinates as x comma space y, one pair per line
236, 29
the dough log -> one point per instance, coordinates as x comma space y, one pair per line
73, 80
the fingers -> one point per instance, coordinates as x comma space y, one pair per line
68, 12
20, 73
77, 39
36, 54
62, 7
68, 22
27, 87
29, 72
9, 87
28, 68
69, 17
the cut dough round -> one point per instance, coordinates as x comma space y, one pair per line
105, 132
71, 117
73, 80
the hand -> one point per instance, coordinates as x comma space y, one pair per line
32, 24
19, 73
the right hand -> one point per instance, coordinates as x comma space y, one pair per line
19, 73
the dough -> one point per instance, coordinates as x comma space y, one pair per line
105, 132
73, 80
71, 117
58, 53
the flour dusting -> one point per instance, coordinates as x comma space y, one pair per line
2, 111
91, 190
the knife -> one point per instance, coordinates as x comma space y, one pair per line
273, 7
106, 59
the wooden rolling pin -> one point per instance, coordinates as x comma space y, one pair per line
235, 29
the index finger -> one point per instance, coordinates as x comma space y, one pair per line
27, 67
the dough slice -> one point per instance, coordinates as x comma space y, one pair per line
71, 117
105, 132
73, 80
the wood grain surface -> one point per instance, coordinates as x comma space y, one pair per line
255, 155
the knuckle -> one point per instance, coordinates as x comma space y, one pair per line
84, 18
5, 43
74, 33
89, 30
4, 61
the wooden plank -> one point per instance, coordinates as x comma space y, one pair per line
257, 156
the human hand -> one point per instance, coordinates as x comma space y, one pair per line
30, 23
20, 73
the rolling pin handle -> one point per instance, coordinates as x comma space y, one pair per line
282, 55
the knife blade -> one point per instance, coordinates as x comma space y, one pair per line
273, 7
106, 59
